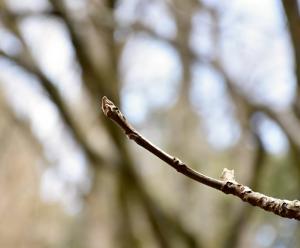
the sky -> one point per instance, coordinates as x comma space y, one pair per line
152, 72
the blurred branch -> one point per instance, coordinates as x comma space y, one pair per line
155, 222
4, 13
126, 234
291, 124
5, 133
173, 42
291, 9
139, 26
56, 97
183, 14
245, 111
161, 222
227, 184
27, 63
99, 81
94, 75
287, 119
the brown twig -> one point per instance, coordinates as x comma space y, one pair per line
227, 184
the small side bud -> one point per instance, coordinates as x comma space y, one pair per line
227, 175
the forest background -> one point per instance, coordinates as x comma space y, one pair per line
215, 83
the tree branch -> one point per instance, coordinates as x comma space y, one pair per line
227, 184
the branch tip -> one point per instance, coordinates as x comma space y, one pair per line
106, 105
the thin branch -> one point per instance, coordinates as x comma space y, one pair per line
227, 184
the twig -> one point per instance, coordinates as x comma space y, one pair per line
227, 184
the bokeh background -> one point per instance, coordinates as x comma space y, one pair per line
216, 83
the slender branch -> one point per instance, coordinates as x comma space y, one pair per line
227, 184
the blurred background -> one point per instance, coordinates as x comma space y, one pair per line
216, 83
